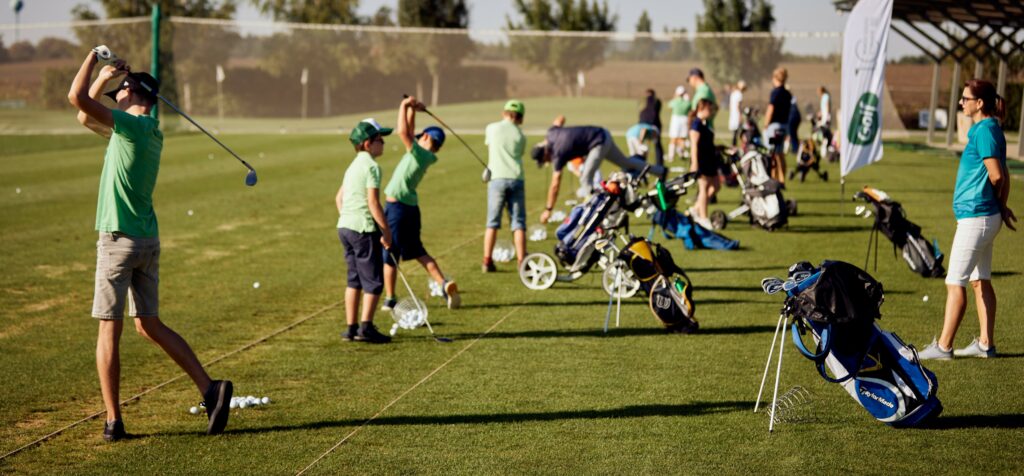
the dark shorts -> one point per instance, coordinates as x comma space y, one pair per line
709, 166
363, 255
404, 221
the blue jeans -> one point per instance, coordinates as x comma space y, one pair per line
506, 194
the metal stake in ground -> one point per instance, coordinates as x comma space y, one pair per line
412, 296
486, 177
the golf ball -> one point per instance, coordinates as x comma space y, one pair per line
265, 400
189, 212
234, 404
925, 298
394, 329
557, 216
256, 285
194, 410
243, 404
17, 190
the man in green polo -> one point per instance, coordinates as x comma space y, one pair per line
701, 90
128, 250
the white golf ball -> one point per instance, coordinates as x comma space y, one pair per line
194, 410
234, 404
265, 400
925, 298
189, 212
17, 190
256, 285
243, 404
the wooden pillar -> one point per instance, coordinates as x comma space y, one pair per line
954, 96
1020, 134
933, 103
1001, 82
979, 68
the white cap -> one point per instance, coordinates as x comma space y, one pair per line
373, 122
680, 90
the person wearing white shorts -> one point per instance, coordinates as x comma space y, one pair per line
679, 125
979, 204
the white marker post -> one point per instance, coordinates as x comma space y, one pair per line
305, 90
220, 94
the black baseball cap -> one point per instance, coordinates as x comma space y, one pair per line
537, 153
138, 83
696, 72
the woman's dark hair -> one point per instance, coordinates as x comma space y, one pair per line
700, 105
992, 104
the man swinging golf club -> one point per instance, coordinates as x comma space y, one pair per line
128, 250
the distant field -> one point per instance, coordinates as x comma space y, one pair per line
529, 386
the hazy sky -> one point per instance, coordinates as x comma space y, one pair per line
791, 15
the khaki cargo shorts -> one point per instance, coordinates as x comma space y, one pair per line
126, 263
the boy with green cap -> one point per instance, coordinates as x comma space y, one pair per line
402, 210
505, 145
362, 230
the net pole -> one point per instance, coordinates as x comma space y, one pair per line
155, 63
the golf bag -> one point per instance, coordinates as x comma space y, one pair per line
667, 286
838, 304
761, 193
677, 225
808, 158
923, 257
578, 234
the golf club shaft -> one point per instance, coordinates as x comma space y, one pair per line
457, 136
194, 123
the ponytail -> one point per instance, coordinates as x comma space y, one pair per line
999, 108
992, 104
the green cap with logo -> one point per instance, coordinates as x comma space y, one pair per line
516, 106
367, 129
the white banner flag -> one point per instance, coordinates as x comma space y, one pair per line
864, 45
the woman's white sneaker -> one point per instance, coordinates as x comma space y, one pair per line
975, 350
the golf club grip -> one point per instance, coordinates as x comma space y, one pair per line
194, 123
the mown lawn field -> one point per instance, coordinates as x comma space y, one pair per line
530, 384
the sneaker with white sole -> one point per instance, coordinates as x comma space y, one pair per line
935, 352
976, 350
389, 304
451, 294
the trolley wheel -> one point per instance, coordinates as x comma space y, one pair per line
538, 271
791, 207
628, 284
719, 220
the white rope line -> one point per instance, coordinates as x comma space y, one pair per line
214, 361
73, 24
407, 391
611, 35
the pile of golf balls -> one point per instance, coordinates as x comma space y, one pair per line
504, 251
411, 319
435, 288
237, 402
538, 233
557, 216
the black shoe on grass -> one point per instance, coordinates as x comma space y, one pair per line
351, 334
114, 431
218, 401
369, 333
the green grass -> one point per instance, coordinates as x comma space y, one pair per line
530, 384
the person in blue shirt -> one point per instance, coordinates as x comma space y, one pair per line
979, 204
776, 117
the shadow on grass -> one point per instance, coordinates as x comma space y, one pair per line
1013, 421
827, 229
549, 303
782, 267
617, 332
631, 411
1005, 273
750, 289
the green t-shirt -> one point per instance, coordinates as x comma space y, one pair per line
505, 146
408, 174
130, 167
362, 174
679, 106
704, 92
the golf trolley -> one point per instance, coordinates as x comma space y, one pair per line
762, 195
592, 235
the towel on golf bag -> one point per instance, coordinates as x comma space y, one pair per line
838, 305
923, 257
677, 225
668, 287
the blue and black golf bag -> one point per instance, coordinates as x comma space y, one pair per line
582, 228
677, 225
838, 304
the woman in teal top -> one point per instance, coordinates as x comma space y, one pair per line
979, 204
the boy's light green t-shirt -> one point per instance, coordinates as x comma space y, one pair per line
505, 146
407, 175
704, 91
130, 167
679, 106
362, 174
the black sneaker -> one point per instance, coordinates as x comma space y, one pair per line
114, 431
389, 304
369, 333
350, 335
488, 267
218, 401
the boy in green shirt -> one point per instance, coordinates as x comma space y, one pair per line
701, 90
402, 211
505, 145
362, 230
128, 250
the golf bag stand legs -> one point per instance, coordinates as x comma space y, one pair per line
781, 325
616, 294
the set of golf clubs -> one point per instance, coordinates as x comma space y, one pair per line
107, 56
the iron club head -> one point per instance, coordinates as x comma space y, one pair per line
250, 178
486, 176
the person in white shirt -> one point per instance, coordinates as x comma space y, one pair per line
735, 106
824, 108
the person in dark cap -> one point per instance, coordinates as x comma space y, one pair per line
595, 144
128, 249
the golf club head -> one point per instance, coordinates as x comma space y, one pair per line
104, 54
443, 339
772, 285
486, 177
250, 178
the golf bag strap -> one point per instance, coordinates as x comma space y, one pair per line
860, 364
824, 344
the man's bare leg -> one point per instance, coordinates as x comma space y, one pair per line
153, 329
108, 366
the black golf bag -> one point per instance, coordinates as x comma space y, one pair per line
838, 304
923, 257
667, 286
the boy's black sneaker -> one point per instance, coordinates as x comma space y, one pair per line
351, 334
369, 333
218, 405
114, 431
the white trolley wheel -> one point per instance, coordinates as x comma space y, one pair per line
629, 285
538, 271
